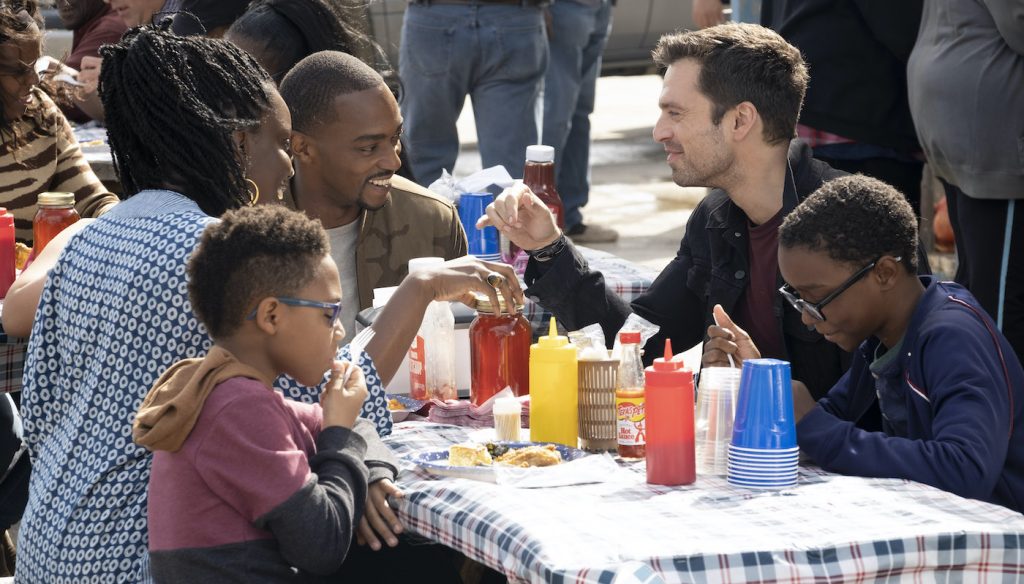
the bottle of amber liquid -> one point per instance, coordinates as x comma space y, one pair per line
54, 213
499, 350
539, 175
629, 399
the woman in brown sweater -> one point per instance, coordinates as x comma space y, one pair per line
38, 151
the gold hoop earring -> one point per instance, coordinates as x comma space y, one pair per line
253, 196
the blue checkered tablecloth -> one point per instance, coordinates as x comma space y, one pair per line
830, 528
623, 277
12, 360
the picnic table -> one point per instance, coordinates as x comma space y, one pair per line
829, 528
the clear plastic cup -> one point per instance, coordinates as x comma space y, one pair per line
716, 406
764, 408
507, 416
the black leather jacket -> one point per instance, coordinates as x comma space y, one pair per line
709, 268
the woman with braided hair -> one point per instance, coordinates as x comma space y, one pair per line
38, 151
196, 128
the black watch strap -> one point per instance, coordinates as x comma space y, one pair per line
549, 251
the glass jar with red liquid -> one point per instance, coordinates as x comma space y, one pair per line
499, 346
54, 213
539, 175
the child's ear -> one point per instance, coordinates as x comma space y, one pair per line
887, 272
268, 315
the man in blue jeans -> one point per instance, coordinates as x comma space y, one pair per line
579, 33
496, 52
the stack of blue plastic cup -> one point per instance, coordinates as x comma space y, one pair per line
763, 453
483, 243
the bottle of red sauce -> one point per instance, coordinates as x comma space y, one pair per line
539, 175
630, 409
499, 346
669, 409
6, 251
55, 211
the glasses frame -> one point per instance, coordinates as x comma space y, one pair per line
814, 310
334, 307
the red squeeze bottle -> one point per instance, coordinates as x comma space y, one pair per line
669, 410
6, 251
539, 175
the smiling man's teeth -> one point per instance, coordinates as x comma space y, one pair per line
381, 182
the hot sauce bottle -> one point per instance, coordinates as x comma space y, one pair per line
539, 175
54, 213
629, 398
499, 350
7, 261
669, 422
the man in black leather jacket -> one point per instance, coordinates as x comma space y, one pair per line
730, 101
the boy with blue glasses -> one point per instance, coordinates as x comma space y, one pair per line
247, 485
950, 388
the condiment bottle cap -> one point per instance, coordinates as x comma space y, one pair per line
666, 363
553, 339
629, 337
540, 153
56, 199
483, 304
417, 264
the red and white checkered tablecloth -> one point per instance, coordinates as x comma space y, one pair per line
830, 528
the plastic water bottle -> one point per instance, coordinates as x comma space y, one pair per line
432, 354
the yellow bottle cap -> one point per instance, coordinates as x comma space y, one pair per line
552, 340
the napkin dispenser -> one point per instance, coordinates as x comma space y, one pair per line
463, 318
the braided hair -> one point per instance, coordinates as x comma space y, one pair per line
172, 105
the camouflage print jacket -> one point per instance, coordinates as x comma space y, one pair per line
414, 223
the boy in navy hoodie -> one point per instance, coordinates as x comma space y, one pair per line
950, 387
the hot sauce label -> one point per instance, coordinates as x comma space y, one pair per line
629, 414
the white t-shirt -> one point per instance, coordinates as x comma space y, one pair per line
343, 251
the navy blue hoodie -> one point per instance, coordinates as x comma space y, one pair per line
955, 397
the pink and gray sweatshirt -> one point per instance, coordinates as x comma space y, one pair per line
257, 491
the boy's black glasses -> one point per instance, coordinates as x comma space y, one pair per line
814, 310
334, 308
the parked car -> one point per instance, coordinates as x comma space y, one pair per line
636, 28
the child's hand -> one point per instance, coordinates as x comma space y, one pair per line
342, 404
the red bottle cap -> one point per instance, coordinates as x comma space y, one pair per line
629, 337
666, 363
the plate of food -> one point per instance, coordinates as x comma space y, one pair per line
402, 405
482, 462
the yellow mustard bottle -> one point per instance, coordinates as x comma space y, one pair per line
553, 389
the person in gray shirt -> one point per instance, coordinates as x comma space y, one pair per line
966, 88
